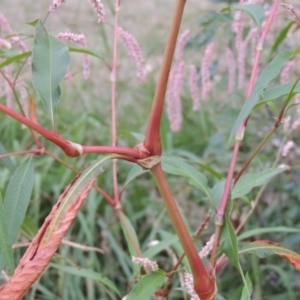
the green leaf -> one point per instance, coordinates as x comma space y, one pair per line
254, 11
229, 242
138, 136
7, 162
147, 286
258, 231
17, 198
176, 166
248, 181
134, 172
86, 51
247, 290
5, 247
281, 37
279, 91
264, 78
14, 58
88, 274
265, 248
50, 61
229, 245
129, 233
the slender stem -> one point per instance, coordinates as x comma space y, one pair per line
221, 212
152, 140
258, 148
224, 259
35, 151
65, 145
176, 266
204, 285
113, 99
111, 149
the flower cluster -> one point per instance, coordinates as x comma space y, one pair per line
145, 262
205, 73
189, 284
55, 4
134, 51
208, 247
99, 8
80, 40
194, 88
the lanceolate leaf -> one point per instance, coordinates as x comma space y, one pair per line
281, 37
255, 11
14, 58
177, 166
130, 235
247, 290
5, 248
258, 231
229, 246
17, 197
264, 248
7, 162
88, 274
134, 172
264, 78
279, 91
249, 181
86, 51
147, 286
50, 61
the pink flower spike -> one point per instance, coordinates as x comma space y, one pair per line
145, 262
194, 88
207, 248
231, 70
4, 44
56, 4
189, 284
206, 84
287, 147
80, 40
180, 44
76, 38
287, 6
134, 51
4, 25
173, 101
99, 8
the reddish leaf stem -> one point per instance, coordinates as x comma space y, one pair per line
65, 145
221, 211
113, 99
204, 285
152, 140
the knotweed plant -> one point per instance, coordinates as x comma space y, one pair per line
234, 60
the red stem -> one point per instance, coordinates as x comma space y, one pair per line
225, 196
65, 145
113, 100
152, 140
204, 285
